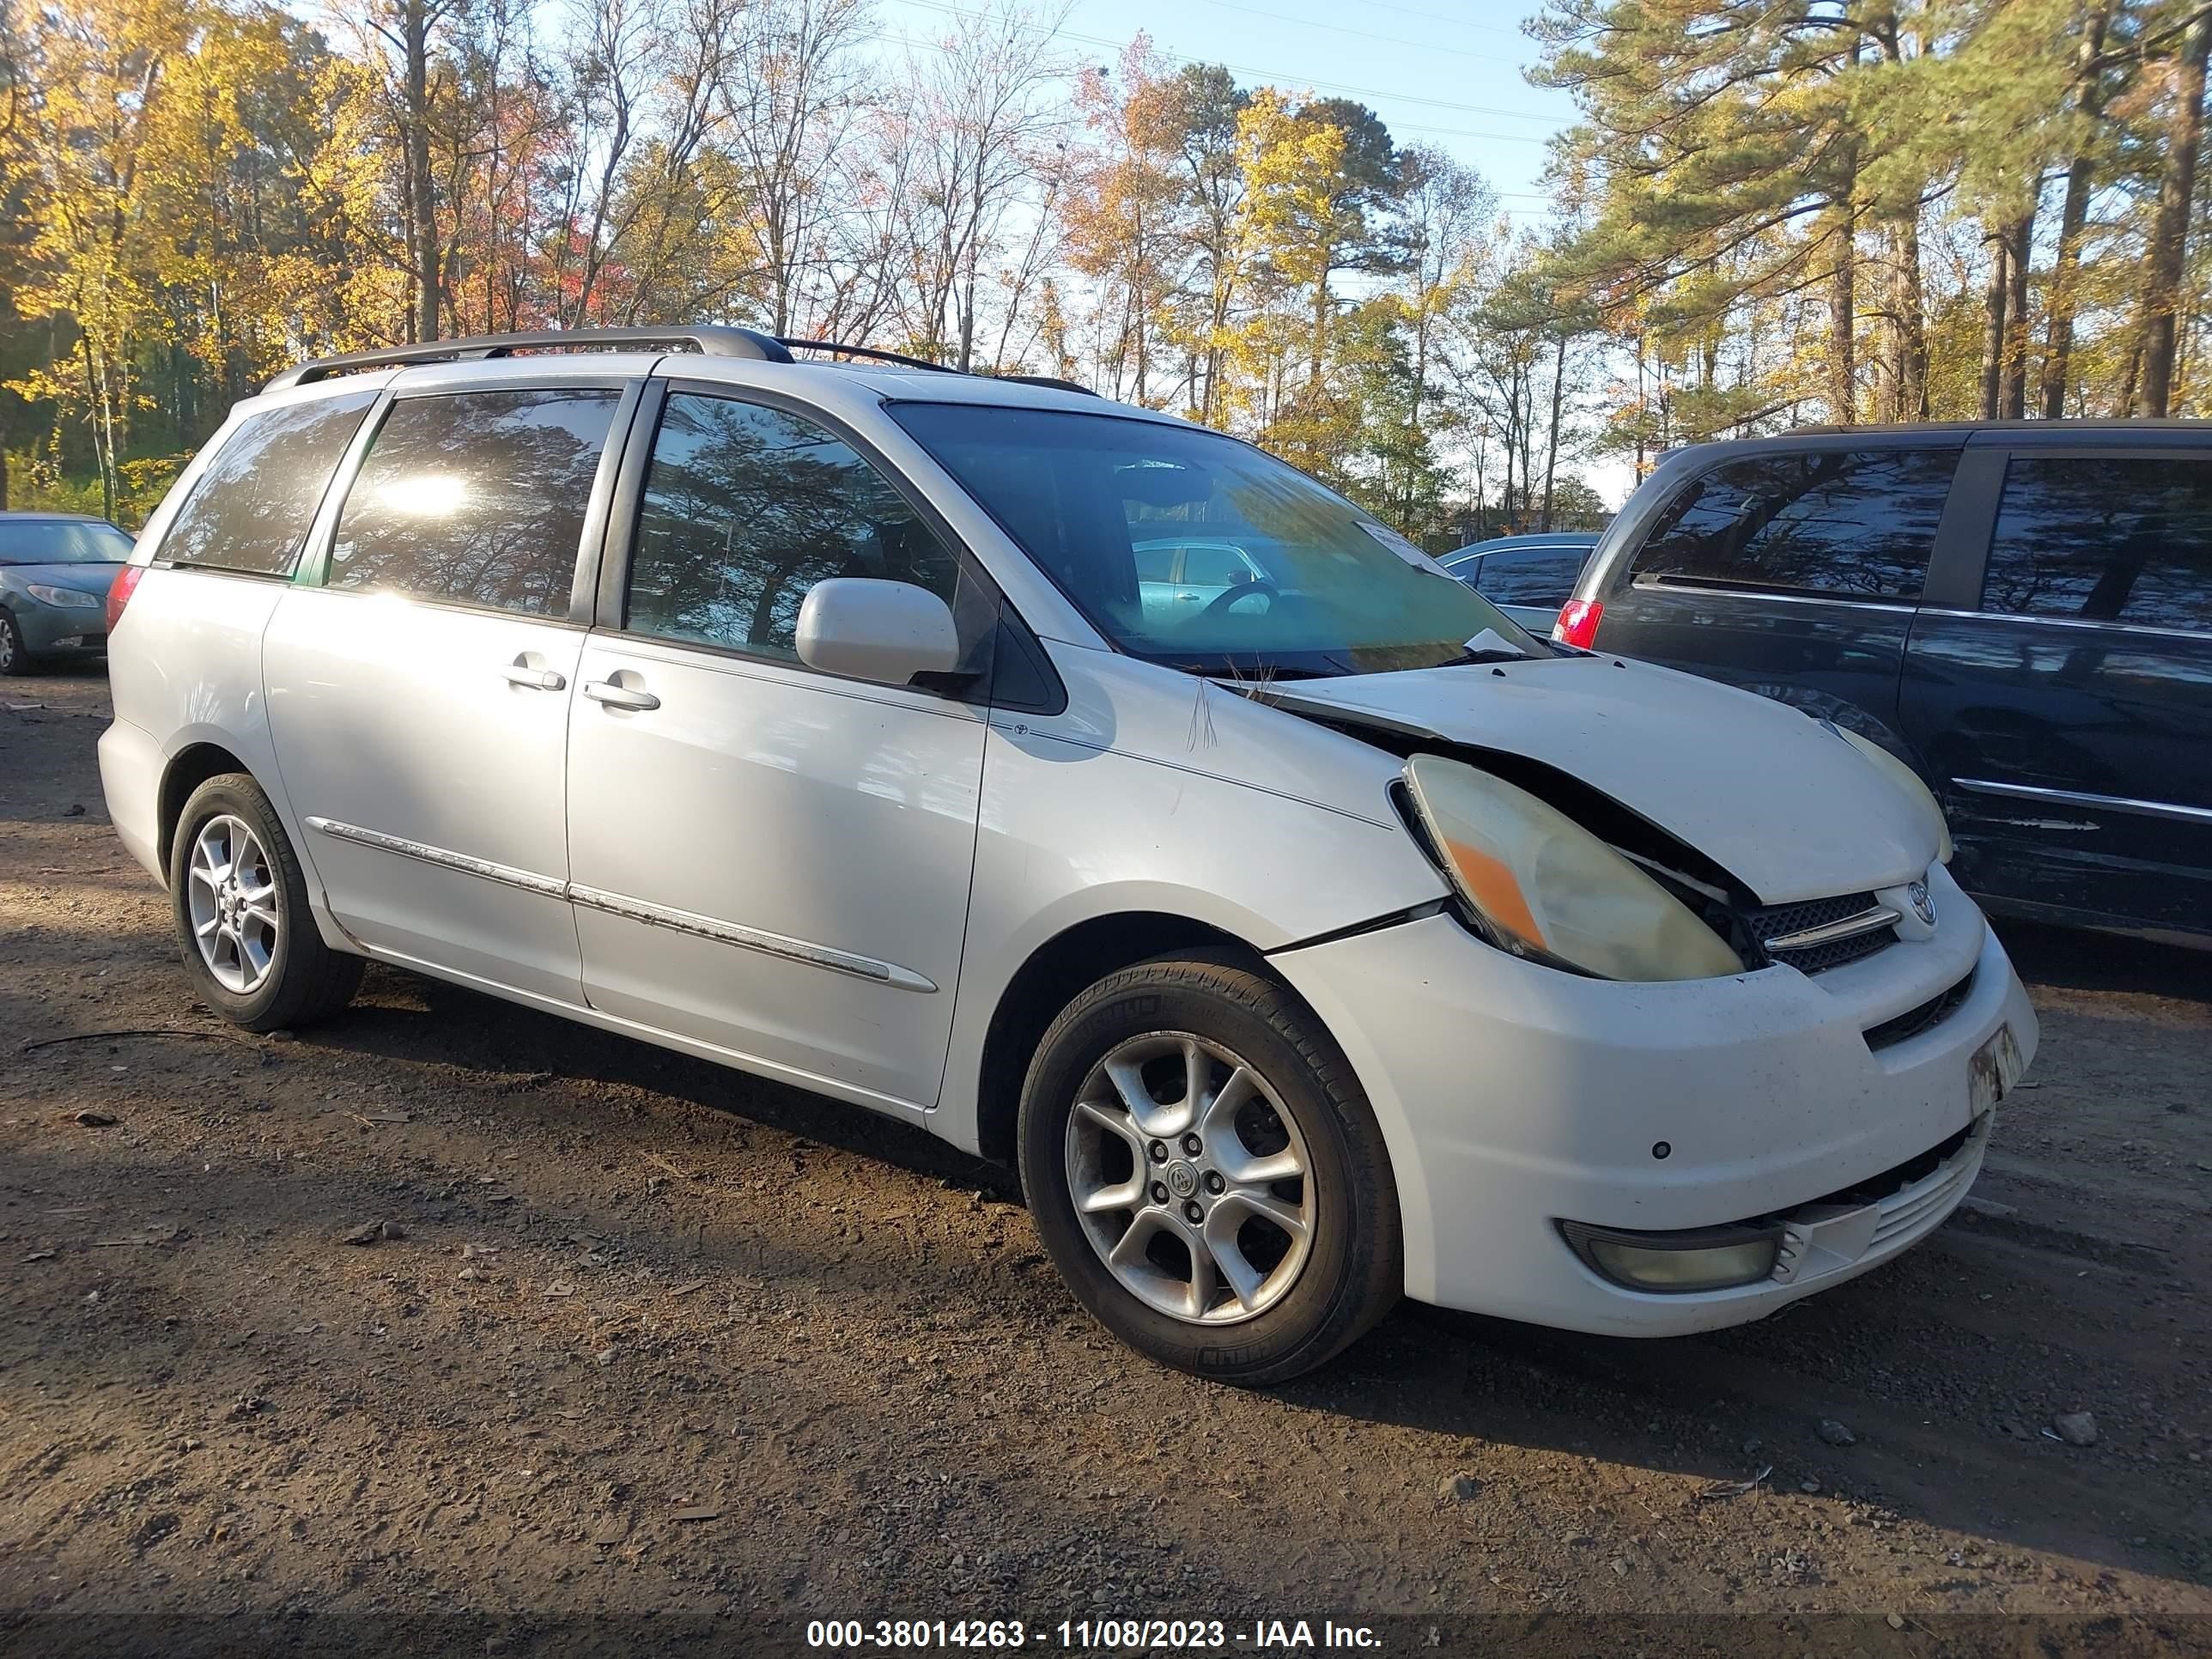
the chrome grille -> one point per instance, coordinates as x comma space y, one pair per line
1781, 920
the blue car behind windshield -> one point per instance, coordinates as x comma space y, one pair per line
1526, 577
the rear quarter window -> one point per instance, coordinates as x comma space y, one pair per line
1855, 525
252, 508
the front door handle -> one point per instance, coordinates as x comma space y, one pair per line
522, 672
619, 696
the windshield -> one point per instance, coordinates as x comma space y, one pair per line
1188, 548
62, 540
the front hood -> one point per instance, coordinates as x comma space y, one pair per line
85, 578
1787, 807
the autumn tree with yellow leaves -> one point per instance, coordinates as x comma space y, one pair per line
1844, 210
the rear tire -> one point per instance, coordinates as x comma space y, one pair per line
1207, 1173
240, 899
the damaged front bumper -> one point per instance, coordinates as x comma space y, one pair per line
1514, 1097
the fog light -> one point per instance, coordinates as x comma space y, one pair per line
1706, 1259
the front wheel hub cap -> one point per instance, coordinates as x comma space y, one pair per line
1212, 1239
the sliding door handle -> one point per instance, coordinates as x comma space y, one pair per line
620, 697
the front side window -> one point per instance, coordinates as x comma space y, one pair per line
1849, 525
252, 506
476, 498
745, 509
2127, 539
1307, 584
1210, 565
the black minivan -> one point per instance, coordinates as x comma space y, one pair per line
2021, 610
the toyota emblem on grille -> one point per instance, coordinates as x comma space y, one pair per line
1923, 902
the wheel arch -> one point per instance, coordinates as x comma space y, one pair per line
1048, 978
187, 769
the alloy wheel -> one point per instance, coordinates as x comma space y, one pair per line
232, 897
1190, 1178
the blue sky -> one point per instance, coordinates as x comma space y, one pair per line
1446, 72
1436, 72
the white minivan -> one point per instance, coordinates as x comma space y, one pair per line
1327, 939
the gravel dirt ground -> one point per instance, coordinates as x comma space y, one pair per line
649, 1357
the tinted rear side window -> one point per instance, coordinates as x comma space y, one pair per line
1541, 575
477, 498
252, 508
1853, 525
2127, 539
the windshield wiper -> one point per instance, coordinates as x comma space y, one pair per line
1471, 658
1253, 676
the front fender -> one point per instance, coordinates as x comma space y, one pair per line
1071, 834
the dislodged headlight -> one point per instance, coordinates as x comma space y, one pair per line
1548, 888
1905, 779
70, 598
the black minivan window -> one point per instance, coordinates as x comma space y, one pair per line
746, 508
1855, 525
1534, 575
251, 509
2127, 539
476, 498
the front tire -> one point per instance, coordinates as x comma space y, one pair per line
1207, 1175
240, 903
14, 656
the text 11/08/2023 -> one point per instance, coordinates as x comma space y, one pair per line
1258, 1635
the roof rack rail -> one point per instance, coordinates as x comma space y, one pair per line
875, 354
1052, 381
712, 340
871, 353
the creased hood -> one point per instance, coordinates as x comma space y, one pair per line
1786, 806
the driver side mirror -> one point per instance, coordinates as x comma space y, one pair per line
869, 629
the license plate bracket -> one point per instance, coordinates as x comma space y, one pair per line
1994, 1069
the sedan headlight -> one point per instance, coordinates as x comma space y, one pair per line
1548, 888
69, 598
1905, 779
